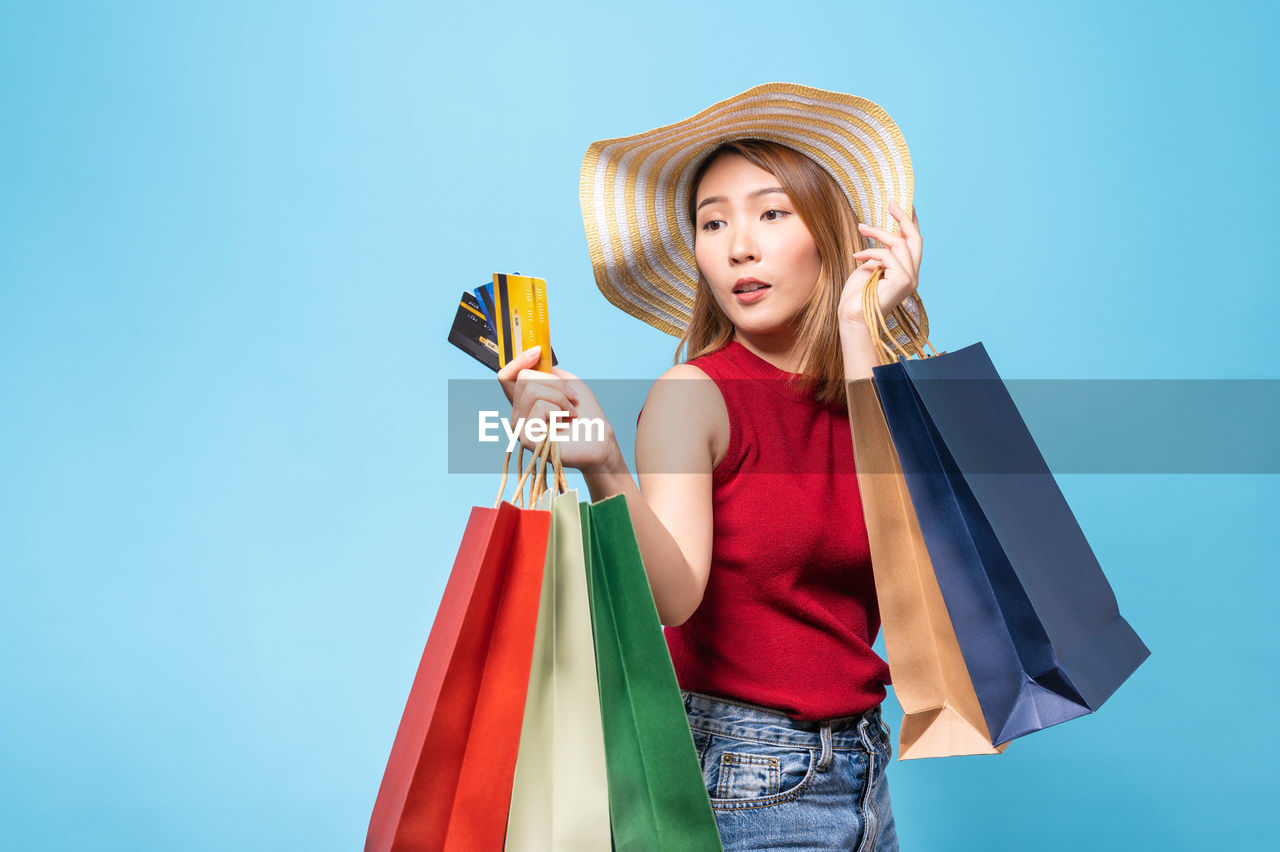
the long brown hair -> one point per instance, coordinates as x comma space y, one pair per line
830, 218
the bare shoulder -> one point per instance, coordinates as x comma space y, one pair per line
689, 372
686, 407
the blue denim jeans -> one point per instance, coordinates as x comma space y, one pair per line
776, 783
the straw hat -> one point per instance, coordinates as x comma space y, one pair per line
634, 190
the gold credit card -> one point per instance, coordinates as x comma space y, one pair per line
520, 318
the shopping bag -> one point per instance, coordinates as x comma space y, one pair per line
1036, 618
559, 797
447, 785
941, 715
657, 799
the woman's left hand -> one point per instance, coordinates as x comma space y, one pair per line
899, 256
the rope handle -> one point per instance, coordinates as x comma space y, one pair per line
537, 467
883, 340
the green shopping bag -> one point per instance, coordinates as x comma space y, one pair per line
657, 800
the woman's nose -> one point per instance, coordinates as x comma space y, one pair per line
743, 246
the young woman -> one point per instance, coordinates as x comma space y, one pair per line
747, 510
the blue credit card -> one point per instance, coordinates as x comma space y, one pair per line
484, 295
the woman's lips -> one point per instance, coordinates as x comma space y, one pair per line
752, 296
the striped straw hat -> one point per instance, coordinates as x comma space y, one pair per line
634, 190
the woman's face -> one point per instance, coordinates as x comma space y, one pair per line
746, 228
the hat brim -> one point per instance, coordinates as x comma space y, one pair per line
634, 190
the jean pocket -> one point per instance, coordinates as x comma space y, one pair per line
742, 773
748, 776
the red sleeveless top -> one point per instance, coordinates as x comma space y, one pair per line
789, 613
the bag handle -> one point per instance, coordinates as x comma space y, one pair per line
538, 485
559, 482
883, 340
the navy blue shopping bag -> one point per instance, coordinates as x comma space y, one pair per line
1036, 620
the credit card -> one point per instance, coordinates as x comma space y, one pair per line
484, 293
473, 334
520, 318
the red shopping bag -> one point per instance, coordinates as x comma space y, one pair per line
447, 784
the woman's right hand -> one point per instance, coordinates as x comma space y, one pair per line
534, 395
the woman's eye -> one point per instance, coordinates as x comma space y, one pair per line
706, 226
768, 214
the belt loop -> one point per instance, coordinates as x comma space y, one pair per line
824, 759
864, 725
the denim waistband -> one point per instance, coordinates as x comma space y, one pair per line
751, 722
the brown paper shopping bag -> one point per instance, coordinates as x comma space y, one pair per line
941, 716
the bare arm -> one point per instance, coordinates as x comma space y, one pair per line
682, 433
859, 354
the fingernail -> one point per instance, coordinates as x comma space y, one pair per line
535, 350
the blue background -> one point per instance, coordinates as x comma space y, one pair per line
232, 237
